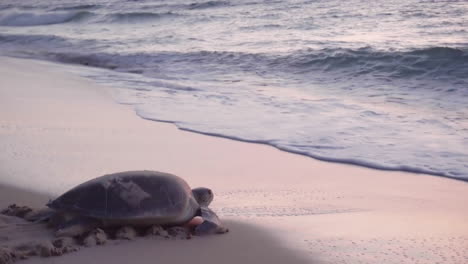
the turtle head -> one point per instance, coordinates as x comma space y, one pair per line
203, 195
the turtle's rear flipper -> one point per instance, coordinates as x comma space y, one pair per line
76, 227
211, 224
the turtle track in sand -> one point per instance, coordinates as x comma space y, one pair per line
21, 239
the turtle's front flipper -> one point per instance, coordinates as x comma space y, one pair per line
211, 223
76, 227
41, 215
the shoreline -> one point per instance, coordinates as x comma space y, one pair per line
336, 161
71, 130
350, 162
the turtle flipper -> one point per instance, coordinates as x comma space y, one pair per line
76, 227
211, 224
41, 215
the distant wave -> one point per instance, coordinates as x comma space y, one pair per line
4, 7
27, 15
36, 19
209, 4
194, 5
76, 7
137, 16
16, 6
18, 19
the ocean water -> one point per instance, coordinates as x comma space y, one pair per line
382, 84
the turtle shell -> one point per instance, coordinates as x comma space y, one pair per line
133, 197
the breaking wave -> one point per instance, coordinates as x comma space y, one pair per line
439, 63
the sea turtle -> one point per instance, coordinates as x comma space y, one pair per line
134, 198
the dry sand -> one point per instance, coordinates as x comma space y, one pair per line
57, 130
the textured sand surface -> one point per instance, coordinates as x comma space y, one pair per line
57, 130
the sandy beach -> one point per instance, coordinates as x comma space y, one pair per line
58, 130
